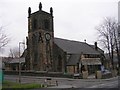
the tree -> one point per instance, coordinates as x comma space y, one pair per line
108, 37
3, 38
14, 53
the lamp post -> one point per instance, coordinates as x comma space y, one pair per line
20, 62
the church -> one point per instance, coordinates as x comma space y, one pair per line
47, 53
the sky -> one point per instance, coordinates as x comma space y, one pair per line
73, 19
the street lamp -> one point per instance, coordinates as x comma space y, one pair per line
20, 62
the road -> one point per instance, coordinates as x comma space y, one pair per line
67, 82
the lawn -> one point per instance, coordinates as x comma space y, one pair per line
15, 86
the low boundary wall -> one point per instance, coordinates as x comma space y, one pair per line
42, 74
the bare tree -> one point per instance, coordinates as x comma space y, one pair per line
3, 38
14, 53
108, 36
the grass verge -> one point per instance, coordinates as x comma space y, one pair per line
15, 86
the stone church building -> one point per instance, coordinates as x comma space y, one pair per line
47, 53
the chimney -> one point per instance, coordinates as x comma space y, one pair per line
85, 40
96, 47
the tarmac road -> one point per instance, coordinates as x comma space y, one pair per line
72, 84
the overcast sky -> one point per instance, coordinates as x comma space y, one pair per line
73, 19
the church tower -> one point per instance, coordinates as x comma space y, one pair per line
40, 40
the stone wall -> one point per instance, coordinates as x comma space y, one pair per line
71, 69
59, 59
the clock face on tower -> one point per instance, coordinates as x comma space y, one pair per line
47, 36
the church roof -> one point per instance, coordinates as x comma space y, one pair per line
74, 47
74, 59
99, 50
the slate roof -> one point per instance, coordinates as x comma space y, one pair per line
16, 60
74, 47
99, 50
73, 60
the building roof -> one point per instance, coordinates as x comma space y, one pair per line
16, 60
75, 47
74, 59
99, 50
6, 59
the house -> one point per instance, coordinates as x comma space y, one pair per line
13, 63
